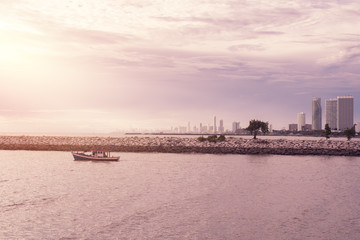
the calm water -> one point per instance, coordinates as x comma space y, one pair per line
47, 195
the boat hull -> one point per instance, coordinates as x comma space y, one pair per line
84, 157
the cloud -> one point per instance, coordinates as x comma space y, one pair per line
171, 57
269, 33
91, 36
346, 60
249, 47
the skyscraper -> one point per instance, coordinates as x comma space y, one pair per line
235, 126
331, 112
293, 127
221, 126
345, 112
301, 120
316, 114
215, 124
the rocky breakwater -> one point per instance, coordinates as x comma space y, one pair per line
183, 145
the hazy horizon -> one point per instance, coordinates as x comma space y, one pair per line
105, 66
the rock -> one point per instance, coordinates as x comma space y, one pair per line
182, 145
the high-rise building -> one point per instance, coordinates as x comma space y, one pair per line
307, 127
204, 129
293, 127
316, 114
345, 112
331, 112
301, 121
221, 126
182, 129
235, 126
215, 124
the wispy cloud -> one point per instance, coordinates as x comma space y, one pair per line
250, 47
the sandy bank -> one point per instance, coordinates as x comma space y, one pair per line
183, 145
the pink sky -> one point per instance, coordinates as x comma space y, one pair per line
100, 66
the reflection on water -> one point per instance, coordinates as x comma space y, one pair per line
47, 195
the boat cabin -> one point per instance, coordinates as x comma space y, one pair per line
101, 153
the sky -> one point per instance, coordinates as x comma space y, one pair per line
110, 65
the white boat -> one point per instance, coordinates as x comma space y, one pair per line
96, 155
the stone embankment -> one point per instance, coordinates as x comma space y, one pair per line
183, 145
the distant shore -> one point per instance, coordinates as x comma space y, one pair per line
183, 145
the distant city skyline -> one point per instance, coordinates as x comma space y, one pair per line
339, 114
104, 66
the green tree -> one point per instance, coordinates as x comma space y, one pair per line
255, 126
221, 138
212, 138
201, 139
327, 131
350, 133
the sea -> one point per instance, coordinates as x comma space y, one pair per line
48, 195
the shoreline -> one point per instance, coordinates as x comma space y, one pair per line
183, 145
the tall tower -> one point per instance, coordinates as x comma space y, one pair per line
331, 112
301, 120
316, 114
345, 112
215, 124
235, 126
221, 126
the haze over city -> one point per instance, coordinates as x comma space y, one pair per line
100, 66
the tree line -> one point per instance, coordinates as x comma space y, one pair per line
257, 126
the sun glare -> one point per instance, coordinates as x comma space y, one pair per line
5, 26
11, 54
